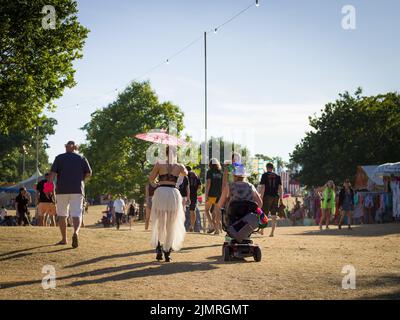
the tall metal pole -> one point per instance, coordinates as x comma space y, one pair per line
23, 163
37, 154
205, 124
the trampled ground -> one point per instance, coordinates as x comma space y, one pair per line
298, 263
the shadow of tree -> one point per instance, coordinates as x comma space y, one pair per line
133, 271
22, 255
357, 231
23, 250
131, 254
388, 280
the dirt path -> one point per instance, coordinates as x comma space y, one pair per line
298, 263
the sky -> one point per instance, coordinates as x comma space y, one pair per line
268, 70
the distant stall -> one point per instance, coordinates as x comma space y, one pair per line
390, 173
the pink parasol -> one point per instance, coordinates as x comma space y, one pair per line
286, 195
162, 138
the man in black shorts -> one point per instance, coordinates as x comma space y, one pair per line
194, 185
271, 192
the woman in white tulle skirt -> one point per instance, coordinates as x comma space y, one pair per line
167, 213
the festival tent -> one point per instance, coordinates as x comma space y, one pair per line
366, 178
387, 169
7, 194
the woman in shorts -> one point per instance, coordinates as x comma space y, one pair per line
328, 204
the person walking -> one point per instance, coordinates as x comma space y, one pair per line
71, 170
131, 213
271, 191
46, 203
119, 210
183, 186
22, 202
328, 204
346, 203
194, 185
213, 192
167, 215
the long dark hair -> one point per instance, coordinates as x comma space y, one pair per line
215, 164
20, 192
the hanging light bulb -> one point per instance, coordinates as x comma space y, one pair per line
257, 3
167, 61
215, 30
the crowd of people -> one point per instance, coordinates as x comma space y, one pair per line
119, 210
330, 204
172, 195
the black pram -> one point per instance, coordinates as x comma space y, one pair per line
240, 221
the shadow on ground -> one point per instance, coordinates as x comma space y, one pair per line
357, 231
132, 271
388, 280
130, 254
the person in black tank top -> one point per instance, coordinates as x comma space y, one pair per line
167, 214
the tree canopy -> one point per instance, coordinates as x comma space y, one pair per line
353, 130
36, 63
117, 158
12, 148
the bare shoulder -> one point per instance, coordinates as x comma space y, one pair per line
182, 168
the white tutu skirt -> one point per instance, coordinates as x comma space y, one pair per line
168, 219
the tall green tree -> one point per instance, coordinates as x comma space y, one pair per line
117, 158
16, 143
353, 130
36, 63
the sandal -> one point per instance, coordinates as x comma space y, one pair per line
61, 243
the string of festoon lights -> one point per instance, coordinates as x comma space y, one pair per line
168, 59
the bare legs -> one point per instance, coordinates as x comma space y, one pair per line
217, 221
62, 222
273, 225
349, 218
325, 215
209, 218
192, 220
147, 218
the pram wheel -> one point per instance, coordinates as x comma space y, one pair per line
227, 254
257, 254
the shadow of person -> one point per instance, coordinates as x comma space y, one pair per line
156, 269
23, 250
130, 254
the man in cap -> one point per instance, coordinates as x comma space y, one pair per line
71, 170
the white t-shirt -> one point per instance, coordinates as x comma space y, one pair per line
119, 205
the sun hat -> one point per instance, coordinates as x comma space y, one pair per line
240, 171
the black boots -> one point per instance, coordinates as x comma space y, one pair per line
159, 252
167, 255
